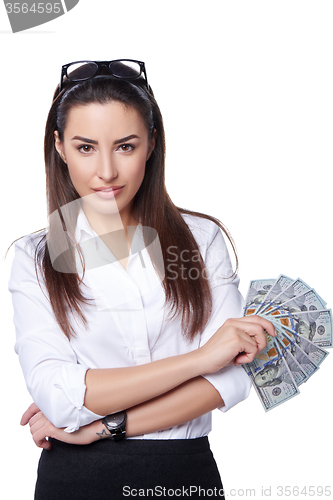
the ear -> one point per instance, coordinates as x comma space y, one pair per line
59, 146
152, 144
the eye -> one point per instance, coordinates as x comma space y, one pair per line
85, 148
126, 148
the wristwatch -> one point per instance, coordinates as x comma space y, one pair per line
116, 425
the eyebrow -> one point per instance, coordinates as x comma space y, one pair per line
83, 139
91, 141
128, 138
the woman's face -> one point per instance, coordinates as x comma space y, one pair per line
105, 147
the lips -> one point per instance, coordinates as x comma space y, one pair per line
107, 189
108, 192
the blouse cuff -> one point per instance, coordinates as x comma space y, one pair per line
70, 381
232, 383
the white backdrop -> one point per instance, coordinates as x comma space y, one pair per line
245, 88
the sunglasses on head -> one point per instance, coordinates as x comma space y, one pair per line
125, 69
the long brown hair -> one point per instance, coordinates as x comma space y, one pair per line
191, 298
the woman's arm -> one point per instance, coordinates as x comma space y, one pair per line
115, 389
178, 406
190, 400
56, 380
187, 401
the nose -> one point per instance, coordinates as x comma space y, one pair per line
106, 167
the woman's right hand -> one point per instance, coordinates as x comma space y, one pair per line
238, 341
41, 429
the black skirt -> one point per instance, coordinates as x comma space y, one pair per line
105, 470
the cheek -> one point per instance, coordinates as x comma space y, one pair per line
137, 170
75, 172
79, 176
77, 167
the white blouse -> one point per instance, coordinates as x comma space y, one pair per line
126, 325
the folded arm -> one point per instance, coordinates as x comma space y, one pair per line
55, 379
188, 401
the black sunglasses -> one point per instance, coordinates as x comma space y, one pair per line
125, 69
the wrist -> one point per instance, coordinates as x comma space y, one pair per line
200, 361
99, 431
115, 424
196, 363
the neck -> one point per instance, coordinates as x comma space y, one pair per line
112, 229
103, 223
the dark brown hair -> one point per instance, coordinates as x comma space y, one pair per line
190, 298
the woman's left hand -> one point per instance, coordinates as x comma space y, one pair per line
41, 428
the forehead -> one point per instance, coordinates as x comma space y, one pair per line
112, 118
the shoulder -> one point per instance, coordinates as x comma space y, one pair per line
203, 229
29, 243
24, 259
213, 248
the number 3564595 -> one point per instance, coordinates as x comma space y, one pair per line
35, 8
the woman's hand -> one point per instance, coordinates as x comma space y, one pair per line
41, 428
238, 341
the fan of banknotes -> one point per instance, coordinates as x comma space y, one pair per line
304, 329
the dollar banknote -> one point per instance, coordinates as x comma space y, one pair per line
313, 325
274, 383
256, 294
297, 371
282, 283
304, 329
291, 344
306, 301
316, 353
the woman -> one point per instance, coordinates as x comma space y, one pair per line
122, 307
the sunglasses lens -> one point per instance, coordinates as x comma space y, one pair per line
125, 69
81, 71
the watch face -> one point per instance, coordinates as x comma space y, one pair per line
115, 420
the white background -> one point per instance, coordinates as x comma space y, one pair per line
245, 88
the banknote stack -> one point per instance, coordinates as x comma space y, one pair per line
304, 331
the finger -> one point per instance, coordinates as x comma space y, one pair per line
243, 358
252, 337
36, 424
247, 352
255, 331
37, 417
259, 335
267, 325
39, 436
43, 443
46, 445
30, 412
